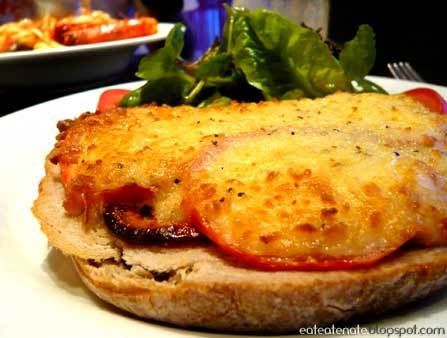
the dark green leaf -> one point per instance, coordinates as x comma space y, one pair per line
214, 66
170, 90
164, 60
301, 52
227, 36
132, 99
216, 69
262, 68
359, 54
167, 90
263, 55
167, 81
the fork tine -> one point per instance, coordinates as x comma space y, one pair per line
411, 72
390, 67
404, 71
396, 71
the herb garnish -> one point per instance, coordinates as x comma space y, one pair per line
262, 56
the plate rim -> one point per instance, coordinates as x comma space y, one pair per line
163, 30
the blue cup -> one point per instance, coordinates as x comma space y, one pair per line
204, 20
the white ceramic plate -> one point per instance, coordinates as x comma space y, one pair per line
74, 64
40, 294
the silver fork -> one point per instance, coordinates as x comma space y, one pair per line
404, 71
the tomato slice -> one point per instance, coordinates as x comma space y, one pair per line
273, 263
273, 201
110, 99
429, 98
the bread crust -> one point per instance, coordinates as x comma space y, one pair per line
197, 287
248, 305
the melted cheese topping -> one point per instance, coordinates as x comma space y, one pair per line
370, 169
294, 194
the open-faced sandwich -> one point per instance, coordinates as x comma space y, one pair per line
354, 184
262, 216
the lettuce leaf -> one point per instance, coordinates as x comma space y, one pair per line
358, 57
263, 55
262, 68
359, 54
167, 82
301, 52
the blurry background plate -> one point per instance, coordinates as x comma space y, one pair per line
74, 64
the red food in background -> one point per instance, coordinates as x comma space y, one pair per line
74, 33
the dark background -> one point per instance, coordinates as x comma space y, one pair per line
412, 31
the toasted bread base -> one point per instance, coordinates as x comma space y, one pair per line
196, 286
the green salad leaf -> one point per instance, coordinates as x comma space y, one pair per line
167, 82
262, 67
301, 53
359, 54
163, 61
262, 56
358, 57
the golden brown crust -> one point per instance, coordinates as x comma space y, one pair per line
268, 302
195, 286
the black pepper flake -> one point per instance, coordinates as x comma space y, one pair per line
348, 122
198, 122
300, 117
415, 151
176, 181
216, 135
222, 200
230, 189
292, 133
387, 127
240, 194
211, 119
396, 153
214, 143
337, 130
